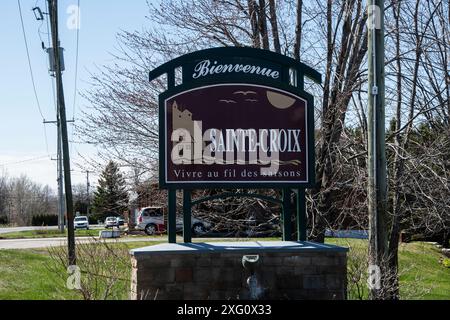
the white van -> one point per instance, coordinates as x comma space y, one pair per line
152, 221
81, 222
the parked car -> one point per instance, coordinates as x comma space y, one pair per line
111, 222
81, 222
121, 221
151, 220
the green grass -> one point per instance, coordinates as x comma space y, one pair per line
423, 271
23, 273
422, 275
47, 234
41, 234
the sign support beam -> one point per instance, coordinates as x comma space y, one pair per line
172, 216
187, 216
287, 229
301, 214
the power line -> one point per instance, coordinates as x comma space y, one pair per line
29, 60
31, 72
23, 161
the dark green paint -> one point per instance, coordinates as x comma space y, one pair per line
242, 55
172, 216
286, 215
187, 216
301, 215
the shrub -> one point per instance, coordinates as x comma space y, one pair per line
44, 220
92, 219
3, 220
446, 262
105, 269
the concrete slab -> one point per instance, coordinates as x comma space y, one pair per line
239, 247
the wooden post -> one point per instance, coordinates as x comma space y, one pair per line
53, 14
187, 225
286, 215
301, 215
172, 216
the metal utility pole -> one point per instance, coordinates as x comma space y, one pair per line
377, 185
53, 13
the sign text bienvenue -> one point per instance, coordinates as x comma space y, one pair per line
206, 68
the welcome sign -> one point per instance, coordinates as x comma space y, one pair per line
207, 68
240, 118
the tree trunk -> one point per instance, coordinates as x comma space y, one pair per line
253, 15
263, 24
274, 24
298, 30
392, 283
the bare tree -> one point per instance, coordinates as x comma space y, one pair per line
4, 196
104, 270
331, 36
418, 89
21, 199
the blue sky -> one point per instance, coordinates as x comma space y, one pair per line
22, 134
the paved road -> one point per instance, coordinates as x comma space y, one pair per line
21, 229
55, 242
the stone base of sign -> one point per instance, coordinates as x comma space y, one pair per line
214, 271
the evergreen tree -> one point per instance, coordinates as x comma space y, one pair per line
111, 197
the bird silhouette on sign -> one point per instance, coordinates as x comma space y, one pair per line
245, 93
228, 101
251, 100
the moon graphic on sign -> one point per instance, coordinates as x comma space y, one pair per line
280, 101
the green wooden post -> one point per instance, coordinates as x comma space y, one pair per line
286, 215
187, 225
171, 79
301, 215
172, 218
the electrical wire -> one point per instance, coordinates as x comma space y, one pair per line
29, 61
40, 33
23, 161
38, 104
48, 63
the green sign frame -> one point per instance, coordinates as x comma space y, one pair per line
276, 71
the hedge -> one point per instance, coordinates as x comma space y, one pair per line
44, 220
3, 220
